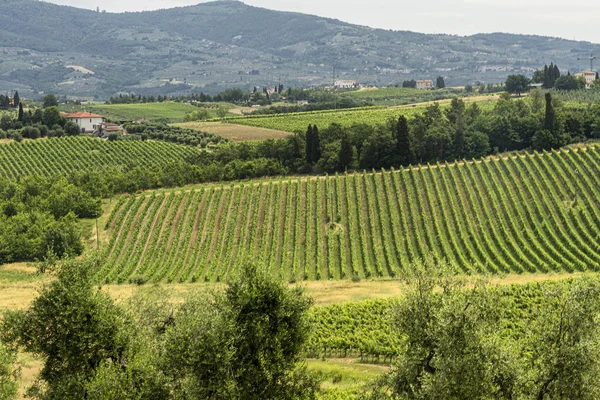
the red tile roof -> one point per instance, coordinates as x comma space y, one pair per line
81, 115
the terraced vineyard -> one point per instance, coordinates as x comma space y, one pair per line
534, 213
61, 156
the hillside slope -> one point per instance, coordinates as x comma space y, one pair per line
222, 44
535, 213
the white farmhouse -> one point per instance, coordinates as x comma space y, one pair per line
425, 84
86, 121
345, 84
589, 77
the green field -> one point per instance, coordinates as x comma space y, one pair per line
403, 95
519, 214
61, 156
366, 115
166, 111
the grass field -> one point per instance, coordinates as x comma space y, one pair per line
519, 214
234, 132
61, 156
166, 111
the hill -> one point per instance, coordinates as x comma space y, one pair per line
212, 46
532, 213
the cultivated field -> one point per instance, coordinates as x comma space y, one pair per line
165, 111
60, 156
534, 213
234, 132
292, 122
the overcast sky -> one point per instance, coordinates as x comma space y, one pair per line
575, 19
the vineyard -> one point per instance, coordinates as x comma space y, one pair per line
365, 329
520, 214
60, 156
299, 121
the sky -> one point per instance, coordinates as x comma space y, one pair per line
572, 19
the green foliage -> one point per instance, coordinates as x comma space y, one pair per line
40, 216
569, 82
9, 374
532, 341
50, 101
517, 84
73, 327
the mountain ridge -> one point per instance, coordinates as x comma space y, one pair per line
211, 46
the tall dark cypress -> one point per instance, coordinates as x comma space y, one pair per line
546, 77
556, 74
16, 100
403, 141
309, 144
549, 117
21, 112
316, 145
345, 156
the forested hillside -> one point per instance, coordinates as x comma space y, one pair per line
216, 45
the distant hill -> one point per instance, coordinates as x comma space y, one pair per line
212, 46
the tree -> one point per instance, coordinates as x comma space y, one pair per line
549, 118
72, 129
309, 145
50, 101
315, 145
9, 374
73, 326
20, 117
440, 84
403, 150
568, 82
562, 342
16, 100
346, 155
450, 348
517, 84
243, 344
51, 117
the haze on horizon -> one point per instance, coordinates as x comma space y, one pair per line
572, 20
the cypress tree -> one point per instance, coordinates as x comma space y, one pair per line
403, 141
556, 74
345, 156
549, 117
546, 77
21, 112
309, 144
16, 100
316, 145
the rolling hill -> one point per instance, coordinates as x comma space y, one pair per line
519, 214
212, 46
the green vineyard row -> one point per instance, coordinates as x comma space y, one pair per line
532, 213
299, 121
61, 156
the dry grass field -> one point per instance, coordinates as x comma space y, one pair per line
234, 132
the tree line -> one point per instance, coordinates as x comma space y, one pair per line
458, 339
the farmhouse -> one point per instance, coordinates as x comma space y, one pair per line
425, 84
589, 77
86, 121
345, 84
